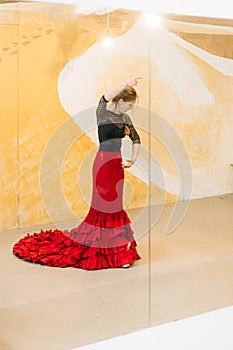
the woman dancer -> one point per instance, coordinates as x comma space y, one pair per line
104, 239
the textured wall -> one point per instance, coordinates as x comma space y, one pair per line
191, 91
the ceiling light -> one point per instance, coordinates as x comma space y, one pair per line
107, 42
152, 19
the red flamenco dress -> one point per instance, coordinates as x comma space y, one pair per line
104, 239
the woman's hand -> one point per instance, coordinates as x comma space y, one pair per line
130, 162
132, 80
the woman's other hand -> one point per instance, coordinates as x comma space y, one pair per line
132, 80
130, 162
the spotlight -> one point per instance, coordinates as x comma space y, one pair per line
107, 42
152, 19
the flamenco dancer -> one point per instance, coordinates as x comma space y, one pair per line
104, 239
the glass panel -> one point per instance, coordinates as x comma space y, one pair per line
64, 69
172, 100
54, 67
190, 84
8, 108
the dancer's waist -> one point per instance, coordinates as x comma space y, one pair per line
113, 145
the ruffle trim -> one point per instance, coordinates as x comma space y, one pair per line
89, 235
102, 219
102, 240
55, 248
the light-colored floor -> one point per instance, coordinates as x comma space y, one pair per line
208, 331
182, 274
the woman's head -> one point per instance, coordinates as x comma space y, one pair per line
127, 94
126, 99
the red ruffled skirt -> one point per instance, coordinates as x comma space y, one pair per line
103, 240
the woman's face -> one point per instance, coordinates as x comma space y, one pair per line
125, 106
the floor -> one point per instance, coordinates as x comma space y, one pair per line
190, 272
211, 330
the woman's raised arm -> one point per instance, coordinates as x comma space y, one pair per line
131, 81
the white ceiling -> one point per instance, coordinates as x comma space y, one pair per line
206, 8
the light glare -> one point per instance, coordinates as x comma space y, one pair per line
107, 42
152, 19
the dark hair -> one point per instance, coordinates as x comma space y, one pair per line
127, 94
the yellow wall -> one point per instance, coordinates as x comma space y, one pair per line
33, 54
8, 129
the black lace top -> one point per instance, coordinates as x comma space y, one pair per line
112, 127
